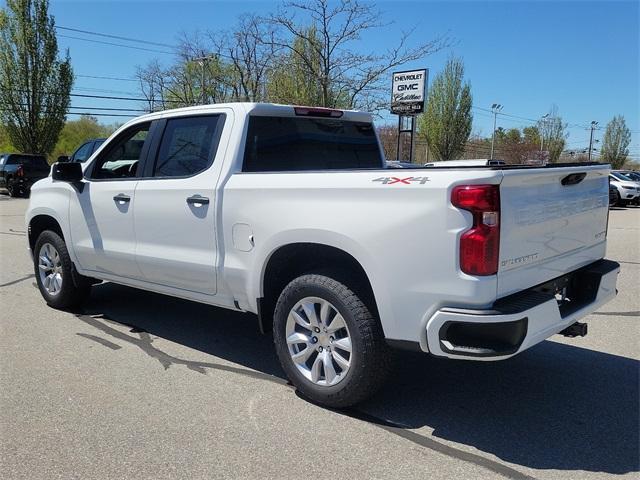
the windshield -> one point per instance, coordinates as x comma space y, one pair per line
633, 176
620, 176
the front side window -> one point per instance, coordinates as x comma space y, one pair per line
188, 146
122, 156
293, 144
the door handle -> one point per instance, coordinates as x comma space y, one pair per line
197, 200
121, 198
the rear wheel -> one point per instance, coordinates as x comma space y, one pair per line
329, 344
54, 272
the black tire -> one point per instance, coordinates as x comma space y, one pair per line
73, 290
616, 201
370, 357
13, 190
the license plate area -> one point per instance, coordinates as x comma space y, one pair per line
572, 291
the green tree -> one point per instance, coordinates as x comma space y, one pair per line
531, 135
5, 143
76, 132
615, 143
446, 124
554, 134
34, 84
293, 80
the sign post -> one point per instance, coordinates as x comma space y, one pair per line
408, 90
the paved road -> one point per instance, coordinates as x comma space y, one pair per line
142, 386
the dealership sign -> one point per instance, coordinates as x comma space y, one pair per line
408, 92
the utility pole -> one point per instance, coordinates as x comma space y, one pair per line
495, 108
594, 124
203, 63
543, 122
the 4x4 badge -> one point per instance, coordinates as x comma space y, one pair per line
405, 180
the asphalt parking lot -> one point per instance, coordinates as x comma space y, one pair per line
142, 386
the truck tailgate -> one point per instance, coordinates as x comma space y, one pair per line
554, 220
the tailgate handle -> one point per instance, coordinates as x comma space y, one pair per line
573, 178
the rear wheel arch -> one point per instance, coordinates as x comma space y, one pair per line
296, 259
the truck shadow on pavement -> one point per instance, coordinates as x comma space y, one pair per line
553, 407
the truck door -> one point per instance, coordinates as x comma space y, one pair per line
101, 215
175, 218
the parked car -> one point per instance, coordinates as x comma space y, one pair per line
628, 192
398, 164
289, 213
19, 171
479, 162
630, 174
84, 151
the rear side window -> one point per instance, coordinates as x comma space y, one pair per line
292, 143
188, 146
27, 160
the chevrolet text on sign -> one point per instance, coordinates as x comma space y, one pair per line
408, 91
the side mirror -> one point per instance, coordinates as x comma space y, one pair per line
63, 159
67, 172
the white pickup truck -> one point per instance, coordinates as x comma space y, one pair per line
289, 213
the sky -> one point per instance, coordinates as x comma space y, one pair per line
582, 56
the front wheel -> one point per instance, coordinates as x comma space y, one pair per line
13, 190
54, 272
328, 342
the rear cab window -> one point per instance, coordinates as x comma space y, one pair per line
280, 144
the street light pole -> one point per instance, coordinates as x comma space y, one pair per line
543, 122
203, 62
594, 124
495, 108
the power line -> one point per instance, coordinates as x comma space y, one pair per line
102, 90
108, 97
128, 39
116, 44
121, 98
107, 78
92, 114
111, 109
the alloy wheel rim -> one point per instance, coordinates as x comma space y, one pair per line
50, 269
319, 341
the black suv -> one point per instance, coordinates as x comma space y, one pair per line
19, 171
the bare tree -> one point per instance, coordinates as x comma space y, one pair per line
152, 80
344, 74
250, 51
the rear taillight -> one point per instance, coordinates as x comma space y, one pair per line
20, 171
480, 245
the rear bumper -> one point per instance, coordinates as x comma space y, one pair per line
521, 320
